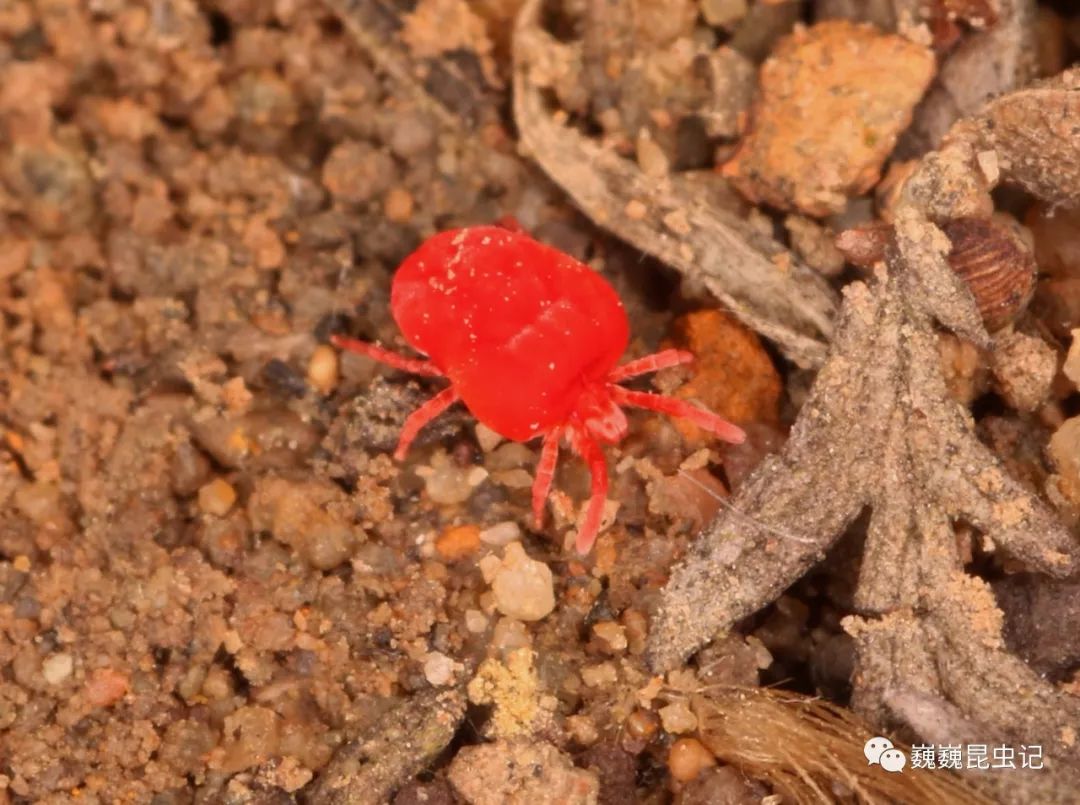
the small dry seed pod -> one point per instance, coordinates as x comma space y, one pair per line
993, 257
865, 245
990, 254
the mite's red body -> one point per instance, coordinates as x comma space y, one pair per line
529, 339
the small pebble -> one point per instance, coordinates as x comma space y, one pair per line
487, 438
1064, 451
612, 634
677, 718
438, 669
723, 13
513, 479
510, 635
398, 205
489, 566
509, 456
642, 723
217, 497
501, 534
476, 621
688, 758
1072, 360
1024, 368
582, 729
596, 676
458, 542
322, 372
105, 686
447, 483
524, 588
651, 157
57, 668
236, 396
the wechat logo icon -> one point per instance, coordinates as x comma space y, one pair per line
881, 751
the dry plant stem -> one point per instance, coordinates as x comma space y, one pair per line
792, 306
880, 431
373, 25
396, 748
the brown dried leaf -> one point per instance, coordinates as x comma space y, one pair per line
1036, 135
879, 429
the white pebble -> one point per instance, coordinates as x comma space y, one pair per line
677, 717
438, 669
510, 635
476, 621
599, 675
447, 483
523, 587
57, 668
501, 533
487, 438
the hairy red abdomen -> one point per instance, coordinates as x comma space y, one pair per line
518, 327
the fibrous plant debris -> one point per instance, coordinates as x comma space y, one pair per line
880, 431
809, 750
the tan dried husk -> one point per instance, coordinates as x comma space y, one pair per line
810, 750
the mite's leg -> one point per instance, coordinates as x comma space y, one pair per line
680, 408
650, 363
421, 416
594, 458
545, 472
414, 365
511, 223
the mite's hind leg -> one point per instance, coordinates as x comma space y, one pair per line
545, 473
680, 408
421, 416
415, 365
594, 458
650, 363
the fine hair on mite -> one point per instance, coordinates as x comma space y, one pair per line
530, 341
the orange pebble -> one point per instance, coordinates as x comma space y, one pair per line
688, 758
105, 686
733, 375
458, 542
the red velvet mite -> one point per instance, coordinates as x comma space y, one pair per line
529, 339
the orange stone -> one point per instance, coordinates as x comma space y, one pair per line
832, 100
458, 542
733, 375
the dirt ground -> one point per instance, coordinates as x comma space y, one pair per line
215, 581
